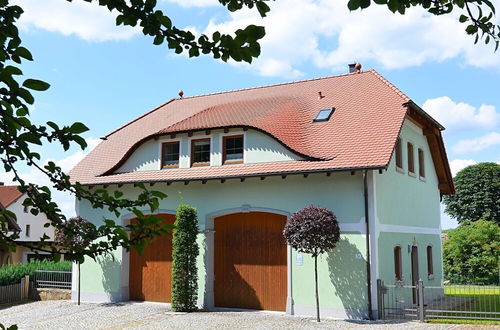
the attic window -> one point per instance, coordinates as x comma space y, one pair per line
324, 114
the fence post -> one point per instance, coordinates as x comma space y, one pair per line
421, 311
26, 287
380, 299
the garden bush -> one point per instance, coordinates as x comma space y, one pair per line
12, 274
185, 252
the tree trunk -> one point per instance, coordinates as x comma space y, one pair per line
78, 283
316, 282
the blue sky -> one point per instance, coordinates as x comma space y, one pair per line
104, 76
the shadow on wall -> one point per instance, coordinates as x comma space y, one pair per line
110, 274
347, 267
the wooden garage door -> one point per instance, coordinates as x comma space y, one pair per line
250, 261
150, 276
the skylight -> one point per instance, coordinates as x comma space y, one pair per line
324, 114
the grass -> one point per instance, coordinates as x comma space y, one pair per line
463, 321
486, 299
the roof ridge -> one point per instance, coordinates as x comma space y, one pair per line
388, 83
141, 116
273, 85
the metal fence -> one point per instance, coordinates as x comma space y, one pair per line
421, 302
14, 293
52, 279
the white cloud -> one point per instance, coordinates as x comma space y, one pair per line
461, 115
86, 20
64, 200
474, 145
325, 33
458, 164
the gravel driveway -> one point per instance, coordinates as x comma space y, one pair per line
134, 315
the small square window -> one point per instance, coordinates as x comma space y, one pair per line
233, 149
324, 114
170, 155
200, 152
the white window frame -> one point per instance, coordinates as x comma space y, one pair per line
168, 140
230, 133
199, 137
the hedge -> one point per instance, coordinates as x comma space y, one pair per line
12, 274
185, 252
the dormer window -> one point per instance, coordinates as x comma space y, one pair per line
200, 152
324, 114
233, 149
170, 154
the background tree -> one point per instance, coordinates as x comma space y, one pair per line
184, 254
471, 253
477, 194
313, 230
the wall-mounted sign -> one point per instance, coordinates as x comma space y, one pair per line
299, 259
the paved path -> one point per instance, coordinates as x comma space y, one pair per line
67, 315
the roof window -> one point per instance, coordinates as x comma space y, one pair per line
324, 114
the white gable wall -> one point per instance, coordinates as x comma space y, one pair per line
258, 148
36, 223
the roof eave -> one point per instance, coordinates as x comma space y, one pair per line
239, 176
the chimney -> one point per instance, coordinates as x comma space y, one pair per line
1, 183
352, 67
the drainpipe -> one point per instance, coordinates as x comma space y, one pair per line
368, 260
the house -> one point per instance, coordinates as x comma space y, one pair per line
30, 227
247, 159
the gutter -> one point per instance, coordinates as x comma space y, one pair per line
368, 258
228, 177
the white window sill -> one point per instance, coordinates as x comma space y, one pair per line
422, 178
400, 170
430, 277
413, 175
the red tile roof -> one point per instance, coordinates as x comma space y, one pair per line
9, 194
361, 133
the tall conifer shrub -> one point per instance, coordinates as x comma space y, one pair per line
185, 253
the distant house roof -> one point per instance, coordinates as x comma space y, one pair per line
9, 194
361, 133
11, 223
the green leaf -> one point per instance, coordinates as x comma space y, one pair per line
353, 4
24, 53
78, 128
36, 84
463, 19
263, 8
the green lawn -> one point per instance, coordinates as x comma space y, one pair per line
486, 299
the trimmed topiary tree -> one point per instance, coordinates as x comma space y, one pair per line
185, 252
313, 230
75, 234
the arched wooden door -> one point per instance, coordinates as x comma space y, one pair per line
150, 277
250, 261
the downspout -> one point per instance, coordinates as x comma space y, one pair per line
368, 258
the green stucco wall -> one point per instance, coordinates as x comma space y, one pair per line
341, 276
407, 211
406, 200
387, 241
342, 272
